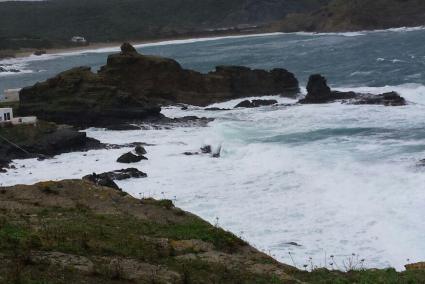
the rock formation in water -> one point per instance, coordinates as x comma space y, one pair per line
41, 140
255, 103
132, 86
318, 92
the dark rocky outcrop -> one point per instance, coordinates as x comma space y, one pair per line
41, 141
132, 87
120, 174
107, 179
129, 158
318, 92
39, 52
216, 109
255, 103
206, 149
140, 150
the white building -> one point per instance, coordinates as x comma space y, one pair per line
78, 39
11, 95
6, 117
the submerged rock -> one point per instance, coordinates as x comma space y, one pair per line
318, 92
216, 109
132, 87
129, 158
255, 103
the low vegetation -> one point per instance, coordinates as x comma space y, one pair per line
30, 24
75, 232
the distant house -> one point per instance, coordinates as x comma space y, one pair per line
6, 117
78, 39
10, 96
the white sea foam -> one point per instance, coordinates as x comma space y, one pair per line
337, 179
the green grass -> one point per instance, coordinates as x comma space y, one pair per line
374, 276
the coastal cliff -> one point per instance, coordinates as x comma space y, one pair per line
343, 16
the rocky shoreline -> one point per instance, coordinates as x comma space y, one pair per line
41, 141
133, 87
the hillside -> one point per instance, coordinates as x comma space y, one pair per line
52, 23
342, 15
73, 231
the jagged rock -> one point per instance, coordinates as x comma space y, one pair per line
129, 157
387, 99
42, 141
102, 180
206, 149
318, 92
107, 179
140, 150
39, 52
190, 153
132, 87
127, 49
255, 103
216, 109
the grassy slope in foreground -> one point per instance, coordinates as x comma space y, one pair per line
75, 232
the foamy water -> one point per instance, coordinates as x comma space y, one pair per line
336, 179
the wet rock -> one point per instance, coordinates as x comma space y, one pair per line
102, 180
318, 92
206, 149
386, 99
107, 178
39, 52
123, 127
255, 103
216, 109
190, 153
217, 153
140, 150
293, 244
43, 140
129, 158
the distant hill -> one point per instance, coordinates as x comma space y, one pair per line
51, 23
54, 22
352, 15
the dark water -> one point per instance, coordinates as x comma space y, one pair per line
355, 59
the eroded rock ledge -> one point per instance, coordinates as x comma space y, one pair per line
318, 92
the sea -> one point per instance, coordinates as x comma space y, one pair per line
300, 182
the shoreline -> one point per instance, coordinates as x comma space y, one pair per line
183, 39
116, 44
